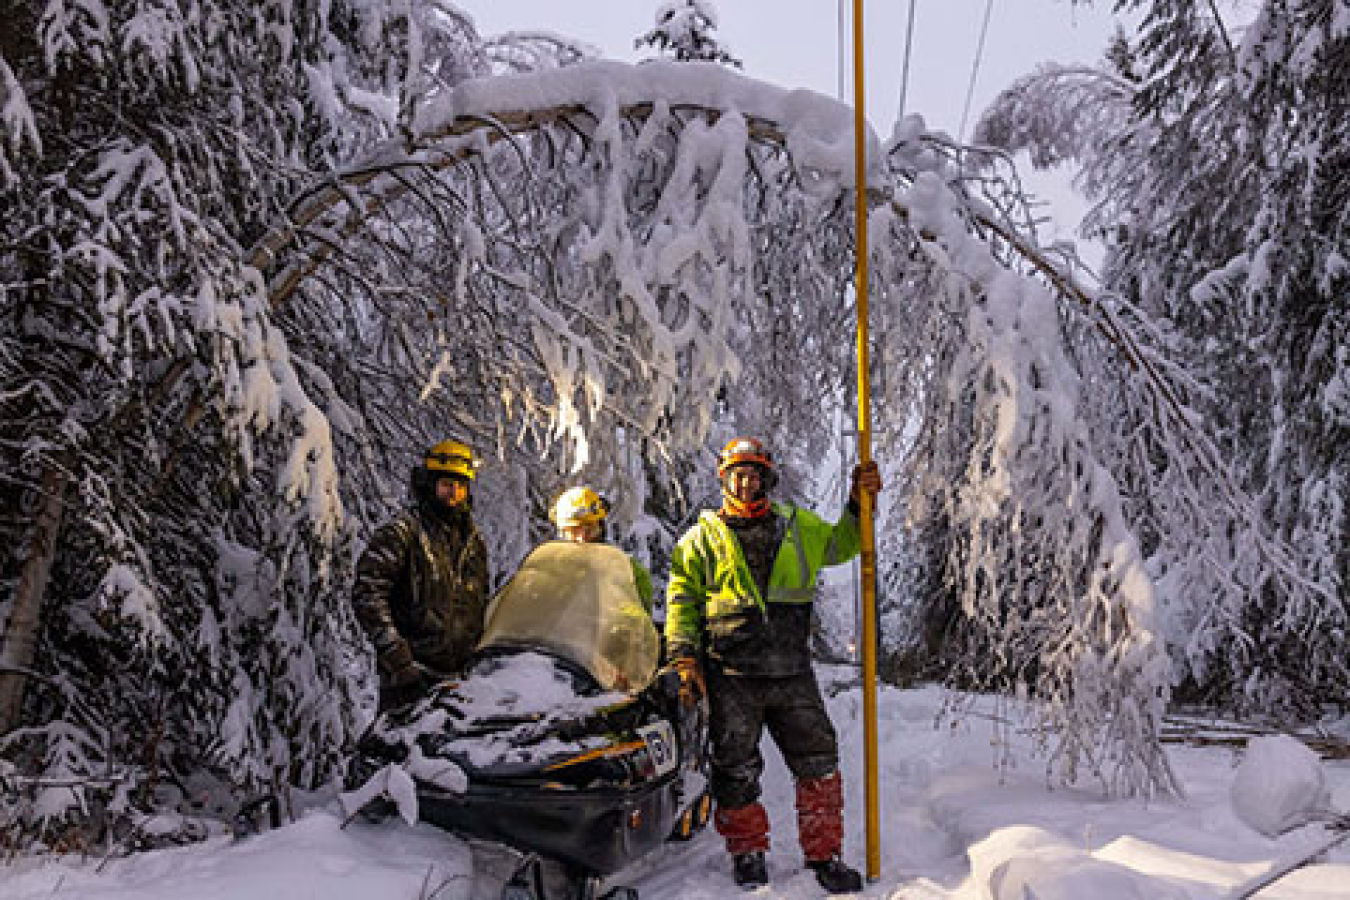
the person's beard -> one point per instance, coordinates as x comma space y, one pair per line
449, 513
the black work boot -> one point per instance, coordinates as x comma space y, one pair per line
836, 876
750, 870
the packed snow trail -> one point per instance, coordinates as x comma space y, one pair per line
954, 828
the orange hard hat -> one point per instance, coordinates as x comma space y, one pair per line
744, 450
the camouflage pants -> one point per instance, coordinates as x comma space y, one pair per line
793, 711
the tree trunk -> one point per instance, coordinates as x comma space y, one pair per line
19, 641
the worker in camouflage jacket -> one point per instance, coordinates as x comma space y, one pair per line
422, 582
738, 620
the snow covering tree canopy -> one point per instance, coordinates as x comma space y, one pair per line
684, 29
592, 271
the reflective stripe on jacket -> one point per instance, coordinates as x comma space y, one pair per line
710, 581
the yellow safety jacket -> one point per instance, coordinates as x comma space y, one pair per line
712, 601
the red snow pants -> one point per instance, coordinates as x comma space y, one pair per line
820, 816
744, 828
820, 821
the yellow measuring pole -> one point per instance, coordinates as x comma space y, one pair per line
869, 547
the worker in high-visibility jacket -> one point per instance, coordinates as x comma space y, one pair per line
738, 621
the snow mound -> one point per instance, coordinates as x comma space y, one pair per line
1279, 785
1024, 861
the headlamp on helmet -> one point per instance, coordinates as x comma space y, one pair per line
451, 458
747, 450
579, 506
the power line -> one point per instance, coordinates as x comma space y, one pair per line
904, 72
844, 49
975, 71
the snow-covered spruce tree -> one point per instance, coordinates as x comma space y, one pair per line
684, 29
1292, 278
1219, 230
172, 496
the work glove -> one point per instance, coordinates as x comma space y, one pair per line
399, 696
692, 688
405, 682
866, 477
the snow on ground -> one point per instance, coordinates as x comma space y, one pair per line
954, 828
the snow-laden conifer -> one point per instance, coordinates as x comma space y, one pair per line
175, 517
596, 273
684, 29
1215, 177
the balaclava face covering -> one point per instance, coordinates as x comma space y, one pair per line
754, 508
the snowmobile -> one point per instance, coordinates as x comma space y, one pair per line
564, 740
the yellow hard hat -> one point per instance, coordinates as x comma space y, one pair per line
579, 506
451, 458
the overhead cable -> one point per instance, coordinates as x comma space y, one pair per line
975, 71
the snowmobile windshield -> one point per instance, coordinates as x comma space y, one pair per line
580, 602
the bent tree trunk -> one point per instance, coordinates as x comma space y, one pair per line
18, 643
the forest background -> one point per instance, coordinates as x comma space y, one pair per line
253, 258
